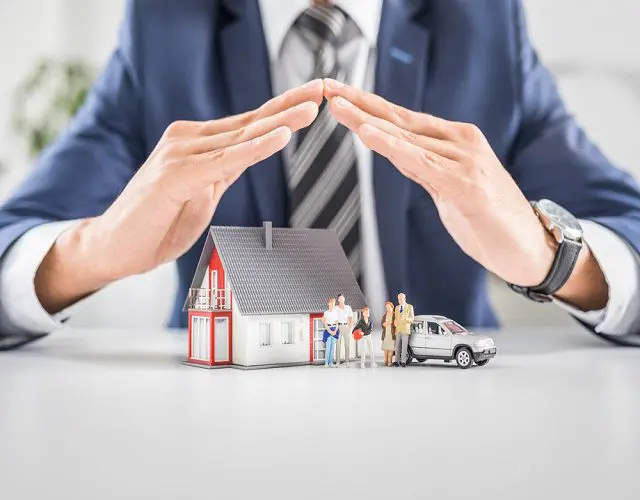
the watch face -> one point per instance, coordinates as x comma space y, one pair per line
558, 217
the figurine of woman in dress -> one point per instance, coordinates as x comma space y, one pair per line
388, 334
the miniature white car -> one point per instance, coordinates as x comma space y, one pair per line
437, 337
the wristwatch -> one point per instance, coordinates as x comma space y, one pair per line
567, 232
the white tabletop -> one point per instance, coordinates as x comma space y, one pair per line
114, 414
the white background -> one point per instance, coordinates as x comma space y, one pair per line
593, 46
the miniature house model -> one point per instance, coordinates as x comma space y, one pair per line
258, 296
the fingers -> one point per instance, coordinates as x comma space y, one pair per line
424, 167
229, 163
309, 92
353, 118
418, 123
294, 119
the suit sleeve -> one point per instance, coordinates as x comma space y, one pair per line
552, 157
91, 162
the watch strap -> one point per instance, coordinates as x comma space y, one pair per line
561, 269
560, 272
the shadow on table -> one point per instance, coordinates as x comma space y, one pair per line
437, 364
123, 359
534, 341
97, 354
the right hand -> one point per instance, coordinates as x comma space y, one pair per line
171, 199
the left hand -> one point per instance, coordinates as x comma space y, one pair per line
478, 202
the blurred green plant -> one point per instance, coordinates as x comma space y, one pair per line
47, 99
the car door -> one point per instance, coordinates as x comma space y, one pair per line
418, 338
438, 341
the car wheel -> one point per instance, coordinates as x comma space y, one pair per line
482, 363
464, 358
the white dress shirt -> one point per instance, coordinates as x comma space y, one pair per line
344, 315
21, 312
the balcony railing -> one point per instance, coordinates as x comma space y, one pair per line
204, 299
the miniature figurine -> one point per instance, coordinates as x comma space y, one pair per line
403, 319
364, 325
330, 320
441, 335
388, 334
345, 322
252, 302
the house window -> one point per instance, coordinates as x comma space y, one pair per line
287, 333
200, 338
264, 334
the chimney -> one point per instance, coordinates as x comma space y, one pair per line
268, 235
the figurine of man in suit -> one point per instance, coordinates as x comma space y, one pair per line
403, 319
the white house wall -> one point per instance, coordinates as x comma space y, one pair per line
247, 340
240, 329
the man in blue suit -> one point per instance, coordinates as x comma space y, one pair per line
162, 147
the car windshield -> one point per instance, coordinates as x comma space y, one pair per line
454, 328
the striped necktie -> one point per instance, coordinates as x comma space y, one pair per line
323, 178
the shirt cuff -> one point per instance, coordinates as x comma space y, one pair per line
20, 309
620, 265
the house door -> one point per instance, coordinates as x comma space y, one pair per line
221, 339
319, 346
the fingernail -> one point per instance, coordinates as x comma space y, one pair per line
333, 84
343, 103
312, 83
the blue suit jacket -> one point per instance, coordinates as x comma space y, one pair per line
205, 59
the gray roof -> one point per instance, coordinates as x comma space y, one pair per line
303, 269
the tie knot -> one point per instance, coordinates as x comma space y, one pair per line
322, 24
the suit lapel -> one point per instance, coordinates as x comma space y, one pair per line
246, 68
401, 70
